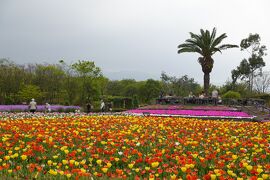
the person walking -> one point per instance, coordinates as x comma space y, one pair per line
33, 106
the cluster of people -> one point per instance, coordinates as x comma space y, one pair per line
202, 98
33, 106
103, 107
89, 107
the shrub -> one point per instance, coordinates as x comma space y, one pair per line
118, 109
68, 110
60, 110
266, 97
231, 95
135, 102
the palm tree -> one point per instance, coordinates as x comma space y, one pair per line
206, 45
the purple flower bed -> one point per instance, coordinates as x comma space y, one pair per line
192, 112
39, 107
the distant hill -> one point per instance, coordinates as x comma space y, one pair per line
139, 76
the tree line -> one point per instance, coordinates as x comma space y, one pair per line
80, 83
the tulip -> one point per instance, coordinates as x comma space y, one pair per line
154, 164
104, 170
99, 162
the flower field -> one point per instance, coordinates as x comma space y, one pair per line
192, 113
73, 146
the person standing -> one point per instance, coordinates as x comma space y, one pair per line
33, 106
102, 106
215, 96
110, 104
48, 107
88, 107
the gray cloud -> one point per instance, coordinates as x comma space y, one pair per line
128, 35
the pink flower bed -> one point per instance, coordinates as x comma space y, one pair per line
187, 107
159, 106
213, 113
218, 108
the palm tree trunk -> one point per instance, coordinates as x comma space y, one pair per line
206, 80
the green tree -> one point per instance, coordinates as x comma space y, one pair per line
206, 45
102, 83
86, 71
113, 88
150, 90
131, 90
179, 86
50, 80
251, 67
123, 87
71, 84
28, 92
11, 79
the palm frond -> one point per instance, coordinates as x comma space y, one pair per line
215, 50
207, 37
227, 46
202, 32
189, 49
213, 35
194, 42
218, 40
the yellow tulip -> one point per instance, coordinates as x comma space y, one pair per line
183, 169
249, 167
53, 172
213, 176
259, 170
173, 176
154, 164
109, 164
64, 161
234, 157
49, 162
7, 157
23, 157
83, 162
147, 168
230, 172
104, 170
71, 161
265, 176
245, 164
99, 162
130, 166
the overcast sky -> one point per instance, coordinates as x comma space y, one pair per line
136, 36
